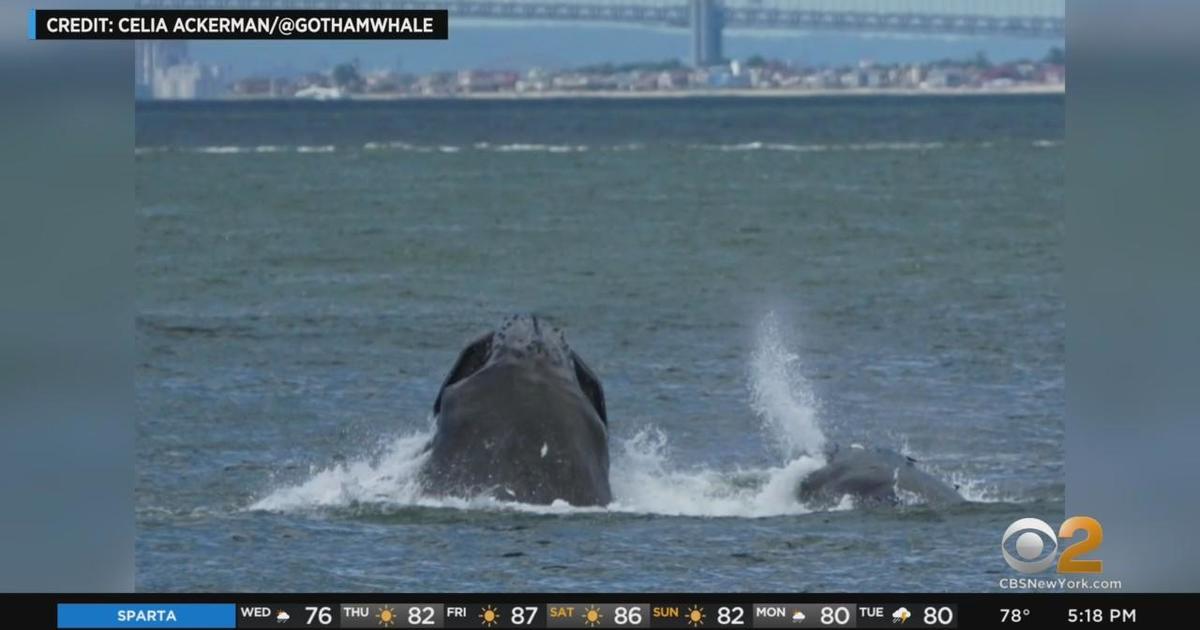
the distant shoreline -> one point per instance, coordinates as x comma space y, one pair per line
741, 93
749, 93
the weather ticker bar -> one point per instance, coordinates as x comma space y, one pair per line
606, 612
599, 615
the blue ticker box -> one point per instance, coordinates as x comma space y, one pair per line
146, 616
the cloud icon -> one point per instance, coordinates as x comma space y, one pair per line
901, 615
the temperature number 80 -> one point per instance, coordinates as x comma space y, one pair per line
943, 616
839, 616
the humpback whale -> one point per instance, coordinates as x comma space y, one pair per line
521, 417
872, 477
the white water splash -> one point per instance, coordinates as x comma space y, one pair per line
781, 397
390, 479
643, 480
978, 491
643, 477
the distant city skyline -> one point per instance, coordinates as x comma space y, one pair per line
558, 45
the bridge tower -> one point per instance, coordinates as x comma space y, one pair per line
707, 22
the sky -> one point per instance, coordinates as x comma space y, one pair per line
520, 46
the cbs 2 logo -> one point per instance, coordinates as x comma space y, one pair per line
1036, 536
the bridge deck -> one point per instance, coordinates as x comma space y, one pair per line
900, 19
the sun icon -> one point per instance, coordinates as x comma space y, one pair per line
490, 616
592, 616
695, 616
386, 616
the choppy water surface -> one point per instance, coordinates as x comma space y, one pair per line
748, 278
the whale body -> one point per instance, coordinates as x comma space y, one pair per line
873, 477
520, 417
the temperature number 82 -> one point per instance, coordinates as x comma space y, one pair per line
734, 616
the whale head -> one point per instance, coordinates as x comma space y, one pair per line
532, 345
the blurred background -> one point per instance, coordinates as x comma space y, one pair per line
66, 391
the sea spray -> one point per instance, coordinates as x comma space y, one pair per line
645, 481
390, 478
781, 397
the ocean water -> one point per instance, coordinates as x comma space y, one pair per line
749, 278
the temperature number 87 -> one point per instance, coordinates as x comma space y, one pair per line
523, 615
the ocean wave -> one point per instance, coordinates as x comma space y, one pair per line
394, 146
237, 149
528, 147
539, 148
221, 150
820, 148
478, 146
383, 146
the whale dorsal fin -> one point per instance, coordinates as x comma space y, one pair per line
472, 358
590, 384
